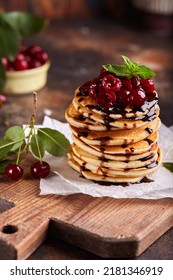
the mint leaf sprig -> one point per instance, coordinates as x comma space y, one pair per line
130, 69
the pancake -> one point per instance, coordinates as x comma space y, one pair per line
110, 152
114, 123
116, 175
82, 117
138, 147
80, 150
120, 137
80, 154
101, 178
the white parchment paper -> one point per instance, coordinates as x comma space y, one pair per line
64, 180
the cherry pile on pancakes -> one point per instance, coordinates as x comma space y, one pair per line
114, 120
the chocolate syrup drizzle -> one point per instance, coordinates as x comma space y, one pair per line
149, 106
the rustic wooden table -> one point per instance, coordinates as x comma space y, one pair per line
77, 50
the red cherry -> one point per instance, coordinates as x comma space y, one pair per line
151, 96
28, 58
34, 64
124, 98
147, 85
21, 65
33, 49
20, 56
6, 63
22, 49
90, 87
40, 170
93, 90
103, 74
135, 82
41, 56
85, 86
139, 97
13, 171
20, 62
109, 82
106, 98
126, 83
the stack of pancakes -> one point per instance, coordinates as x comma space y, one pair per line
115, 147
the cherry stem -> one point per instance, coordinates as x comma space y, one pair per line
35, 103
33, 126
38, 147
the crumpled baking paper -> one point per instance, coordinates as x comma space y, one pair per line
64, 180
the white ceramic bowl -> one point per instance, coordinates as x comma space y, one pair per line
27, 81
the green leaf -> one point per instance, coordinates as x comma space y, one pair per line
119, 70
37, 146
145, 72
5, 147
168, 165
55, 142
130, 69
2, 76
9, 40
14, 133
127, 61
26, 24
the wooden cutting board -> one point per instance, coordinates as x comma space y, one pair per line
113, 228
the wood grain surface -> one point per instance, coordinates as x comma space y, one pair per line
110, 228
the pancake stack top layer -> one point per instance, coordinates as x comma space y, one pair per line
114, 123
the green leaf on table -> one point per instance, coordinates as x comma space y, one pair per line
168, 165
130, 69
2, 76
9, 39
55, 142
26, 24
37, 146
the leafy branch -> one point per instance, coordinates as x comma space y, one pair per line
16, 144
18, 141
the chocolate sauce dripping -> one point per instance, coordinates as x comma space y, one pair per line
81, 93
147, 157
146, 180
149, 130
80, 117
149, 141
81, 99
83, 134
